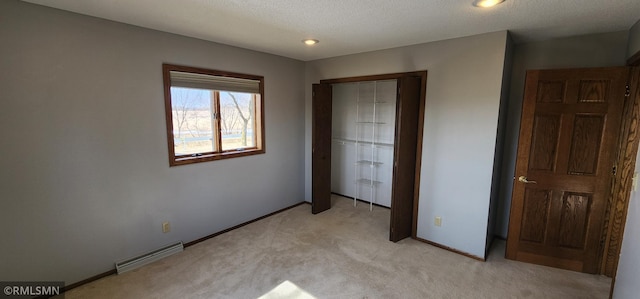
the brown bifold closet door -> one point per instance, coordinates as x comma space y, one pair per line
404, 165
321, 148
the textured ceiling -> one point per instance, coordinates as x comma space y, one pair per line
354, 26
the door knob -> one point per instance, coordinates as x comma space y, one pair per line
524, 179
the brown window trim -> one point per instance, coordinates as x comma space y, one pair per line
258, 123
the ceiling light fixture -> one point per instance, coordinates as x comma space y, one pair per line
486, 3
310, 42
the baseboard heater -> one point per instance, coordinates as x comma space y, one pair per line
150, 257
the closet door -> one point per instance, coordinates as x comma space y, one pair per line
321, 148
404, 166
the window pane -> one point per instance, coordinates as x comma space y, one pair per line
237, 111
191, 111
212, 115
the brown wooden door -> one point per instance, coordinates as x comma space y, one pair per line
404, 166
566, 153
321, 148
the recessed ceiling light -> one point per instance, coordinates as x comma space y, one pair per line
310, 42
486, 3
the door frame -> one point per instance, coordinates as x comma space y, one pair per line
616, 214
621, 187
420, 124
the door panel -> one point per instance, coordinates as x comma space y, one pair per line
574, 218
536, 216
321, 148
568, 136
404, 170
546, 133
585, 145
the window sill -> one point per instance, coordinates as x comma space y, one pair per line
185, 160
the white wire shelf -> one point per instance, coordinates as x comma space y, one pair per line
369, 182
371, 123
372, 102
368, 162
345, 141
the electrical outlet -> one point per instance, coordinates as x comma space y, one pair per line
438, 221
166, 227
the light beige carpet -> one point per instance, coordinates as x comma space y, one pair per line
341, 253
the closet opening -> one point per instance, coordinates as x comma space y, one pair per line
367, 144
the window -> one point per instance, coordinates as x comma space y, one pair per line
212, 115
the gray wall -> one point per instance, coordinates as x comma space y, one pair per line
597, 50
84, 173
496, 179
634, 40
629, 264
461, 121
